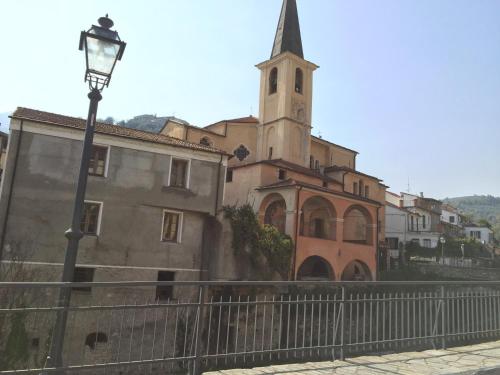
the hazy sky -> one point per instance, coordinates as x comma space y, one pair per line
414, 86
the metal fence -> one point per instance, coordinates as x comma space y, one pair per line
190, 327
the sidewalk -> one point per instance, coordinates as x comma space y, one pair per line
461, 360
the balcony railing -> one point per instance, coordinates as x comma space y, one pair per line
121, 328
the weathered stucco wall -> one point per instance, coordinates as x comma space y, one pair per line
134, 195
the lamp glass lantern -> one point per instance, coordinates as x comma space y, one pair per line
103, 48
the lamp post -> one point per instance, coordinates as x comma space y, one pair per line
443, 241
103, 48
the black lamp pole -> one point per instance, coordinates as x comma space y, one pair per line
102, 48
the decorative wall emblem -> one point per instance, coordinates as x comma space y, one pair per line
241, 152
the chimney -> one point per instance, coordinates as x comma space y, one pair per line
421, 194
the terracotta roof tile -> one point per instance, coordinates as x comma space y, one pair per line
103, 128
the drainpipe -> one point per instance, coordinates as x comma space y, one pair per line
204, 264
11, 187
294, 259
376, 244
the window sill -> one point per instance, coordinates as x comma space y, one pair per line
178, 189
171, 242
97, 175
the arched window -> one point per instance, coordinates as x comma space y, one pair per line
357, 226
273, 81
299, 78
95, 338
205, 141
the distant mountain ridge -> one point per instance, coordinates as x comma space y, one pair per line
485, 207
149, 123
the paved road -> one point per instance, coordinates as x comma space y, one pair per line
478, 359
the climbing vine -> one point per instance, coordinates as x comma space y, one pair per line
261, 241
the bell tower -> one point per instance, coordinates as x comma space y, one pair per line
286, 94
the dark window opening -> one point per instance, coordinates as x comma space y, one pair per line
299, 78
355, 188
165, 292
319, 228
205, 141
316, 164
229, 176
95, 338
90, 219
452, 219
270, 153
35, 342
273, 81
83, 275
97, 163
424, 221
325, 184
178, 174
311, 162
171, 226
281, 174
367, 191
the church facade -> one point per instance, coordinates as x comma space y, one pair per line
307, 187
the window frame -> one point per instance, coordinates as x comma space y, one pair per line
188, 172
299, 86
179, 225
229, 176
281, 174
106, 161
170, 288
273, 86
99, 217
83, 289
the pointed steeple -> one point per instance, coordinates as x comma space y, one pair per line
288, 32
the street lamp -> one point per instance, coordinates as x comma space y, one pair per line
103, 48
443, 241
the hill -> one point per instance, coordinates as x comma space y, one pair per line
149, 123
480, 207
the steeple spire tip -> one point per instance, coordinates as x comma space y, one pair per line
287, 37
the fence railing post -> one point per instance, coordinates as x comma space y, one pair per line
199, 330
342, 324
443, 318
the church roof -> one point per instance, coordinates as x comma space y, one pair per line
287, 37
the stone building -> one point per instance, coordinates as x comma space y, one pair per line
150, 201
308, 187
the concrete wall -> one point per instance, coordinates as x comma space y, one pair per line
134, 195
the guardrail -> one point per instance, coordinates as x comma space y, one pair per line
188, 327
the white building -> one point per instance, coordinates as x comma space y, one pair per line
482, 234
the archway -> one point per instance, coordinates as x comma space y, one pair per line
273, 208
315, 268
358, 226
318, 219
356, 271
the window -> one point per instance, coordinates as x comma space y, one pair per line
91, 218
361, 188
172, 222
311, 162
299, 78
165, 292
355, 188
98, 158
229, 176
424, 218
179, 173
205, 141
316, 164
83, 275
427, 243
367, 191
452, 219
270, 153
319, 230
96, 338
411, 223
273, 81
281, 174
325, 184
392, 242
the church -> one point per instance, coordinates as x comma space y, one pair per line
305, 186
